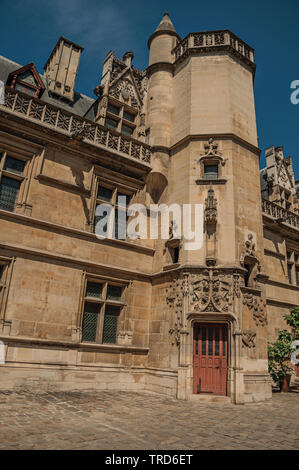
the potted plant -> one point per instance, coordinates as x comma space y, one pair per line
293, 321
279, 353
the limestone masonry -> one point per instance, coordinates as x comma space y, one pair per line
77, 312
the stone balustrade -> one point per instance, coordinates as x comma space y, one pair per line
280, 213
212, 39
75, 126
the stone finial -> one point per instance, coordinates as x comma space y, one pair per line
128, 57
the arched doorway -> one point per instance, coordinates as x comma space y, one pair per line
210, 358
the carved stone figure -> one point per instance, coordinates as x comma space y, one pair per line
211, 208
248, 338
250, 245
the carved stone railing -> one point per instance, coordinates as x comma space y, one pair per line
214, 39
75, 126
280, 213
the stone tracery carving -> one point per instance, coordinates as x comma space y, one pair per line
211, 291
124, 91
174, 300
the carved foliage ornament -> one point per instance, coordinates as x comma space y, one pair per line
212, 153
258, 307
177, 289
248, 338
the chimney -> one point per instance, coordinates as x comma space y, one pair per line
61, 68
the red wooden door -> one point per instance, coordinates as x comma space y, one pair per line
210, 359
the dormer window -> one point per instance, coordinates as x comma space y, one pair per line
27, 80
120, 118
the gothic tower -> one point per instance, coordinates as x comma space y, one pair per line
202, 125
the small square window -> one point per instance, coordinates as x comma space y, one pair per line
105, 194
111, 123
25, 89
113, 109
94, 289
14, 165
211, 171
114, 292
126, 130
128, 116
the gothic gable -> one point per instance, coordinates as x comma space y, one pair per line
124, 88
283, 177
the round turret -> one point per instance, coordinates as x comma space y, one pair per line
162, 41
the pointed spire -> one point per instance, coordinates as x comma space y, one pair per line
166, 24
164, 27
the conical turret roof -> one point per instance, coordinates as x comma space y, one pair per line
166, 24
164, 27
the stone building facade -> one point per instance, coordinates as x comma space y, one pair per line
79, 312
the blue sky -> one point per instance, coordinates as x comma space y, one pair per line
30, 29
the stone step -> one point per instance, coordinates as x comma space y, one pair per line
205, 398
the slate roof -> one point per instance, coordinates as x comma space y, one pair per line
82, 105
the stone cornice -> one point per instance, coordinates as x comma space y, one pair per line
221, 136
63, 184
161, 32
105, 269
217, 49
117, 348
281, 303
161, 148
207, 42
167, 66
190, 268
284, 285
274, 253
26, 220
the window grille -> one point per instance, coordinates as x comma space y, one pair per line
9, 189
90, 321
119, 201
102, 308
110, 324
11, 177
